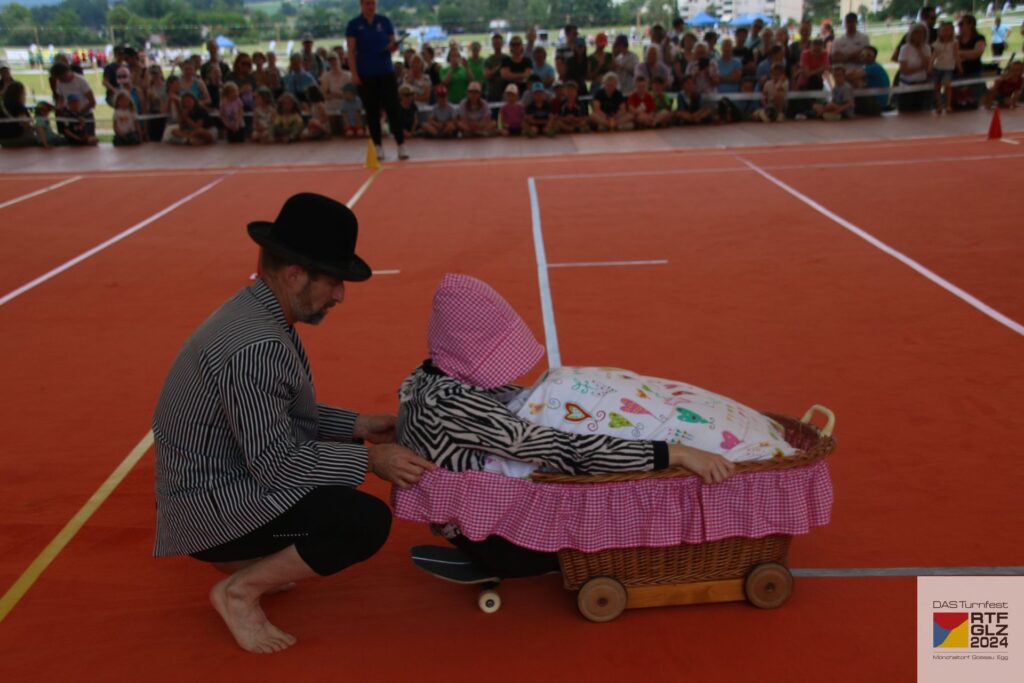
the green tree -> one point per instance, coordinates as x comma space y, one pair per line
93, 13
128, 27
63, 27
16, 25
288, 9
181, 28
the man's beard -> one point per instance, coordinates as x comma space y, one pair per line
303, 309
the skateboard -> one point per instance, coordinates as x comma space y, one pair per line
452, 564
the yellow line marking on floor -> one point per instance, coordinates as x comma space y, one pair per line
39, 565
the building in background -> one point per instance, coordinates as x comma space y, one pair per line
785, 10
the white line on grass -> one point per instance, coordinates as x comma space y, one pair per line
103, 245
547, 310
882, 246
64, 536
30, 195
602, 264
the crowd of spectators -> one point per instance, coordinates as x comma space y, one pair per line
682, 78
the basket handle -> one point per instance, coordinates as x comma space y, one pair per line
829, 416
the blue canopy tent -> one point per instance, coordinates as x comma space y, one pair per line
749, 19
703, 20
224, 42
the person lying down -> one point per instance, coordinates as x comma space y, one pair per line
459, 410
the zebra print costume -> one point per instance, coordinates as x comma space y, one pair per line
457, 426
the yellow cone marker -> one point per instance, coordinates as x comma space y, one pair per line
372, 161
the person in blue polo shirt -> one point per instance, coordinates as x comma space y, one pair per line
371, 41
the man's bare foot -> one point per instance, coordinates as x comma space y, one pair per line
246, 621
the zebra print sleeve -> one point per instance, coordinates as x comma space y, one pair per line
476, 421
258, 385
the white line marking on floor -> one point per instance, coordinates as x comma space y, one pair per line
386, 272
602, 264
547, 309
30, 195
364, 187
882, 246
1008, 141
103, 245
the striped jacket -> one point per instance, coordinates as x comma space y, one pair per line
239, 435
457, 426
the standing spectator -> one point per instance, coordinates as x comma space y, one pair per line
531, 40
666, 51
971, 47
848, 50
371, 42
600, 61
542, 69
68, 83
430, 65
875, 76
568, 44
512, 114
742, 52
624, 63
297, 79
156, 97
945, 63
704, 71
678, 29
15, 121
214, 82
242, 76
215, 60
492, 70
475, 118
172, 107
442, 119
576, 64
408, 111
190, 84
610, 111
776, 55
999, 32
332, 83
110, 74
796, 48
456, 75
653, 65
915, 69
475, 63
516, 68
312, 63
572, 113
730, 69
755, 40
418, 80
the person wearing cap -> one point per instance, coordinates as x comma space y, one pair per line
512, 114
409, 112
475, 118
311, 61
441, 121
41, 122
371, 42
78, 129
600, 61
253, 474
539, 118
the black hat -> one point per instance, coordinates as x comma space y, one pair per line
316, 232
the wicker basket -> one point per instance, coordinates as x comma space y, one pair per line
729, 558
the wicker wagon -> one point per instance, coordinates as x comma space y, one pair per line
729, 569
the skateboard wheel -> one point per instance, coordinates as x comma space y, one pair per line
768, 585
489, 601
601, 599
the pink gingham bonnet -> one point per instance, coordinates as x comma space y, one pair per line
476, 337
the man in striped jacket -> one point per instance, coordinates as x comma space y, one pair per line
252, 474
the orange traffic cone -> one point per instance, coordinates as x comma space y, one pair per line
372, 161
995, 129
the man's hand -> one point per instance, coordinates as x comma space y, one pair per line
375, 428
397, 464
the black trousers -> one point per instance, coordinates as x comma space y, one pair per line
332, 527
997, 49
378, 91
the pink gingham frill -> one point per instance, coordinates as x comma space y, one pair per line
643, 513
475, 336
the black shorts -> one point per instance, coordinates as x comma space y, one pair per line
332, 528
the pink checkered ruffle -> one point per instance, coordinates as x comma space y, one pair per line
475, 336
643, 513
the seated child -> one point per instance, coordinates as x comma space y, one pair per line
840, 102
127, 130
76, 128
195, 127
572, 113
288, 122
641, 104
662, 102
455, 409
475, 118
773, 96
232, 113
691, 107
539, 118
408, 111
263, 116
1006, 91
351, 111
44, 133
319, 125
512, 115
442, 119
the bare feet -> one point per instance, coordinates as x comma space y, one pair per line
246, 620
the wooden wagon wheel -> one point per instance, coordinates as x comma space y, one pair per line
601, 599
768, 585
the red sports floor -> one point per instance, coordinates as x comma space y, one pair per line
756, 295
